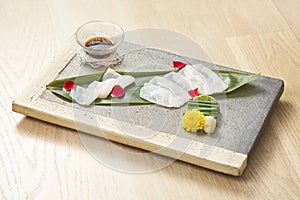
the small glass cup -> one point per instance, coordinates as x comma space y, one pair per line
99, 41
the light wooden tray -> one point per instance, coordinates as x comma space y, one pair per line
244, 114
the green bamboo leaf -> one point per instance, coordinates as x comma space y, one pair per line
132, 96
132, 93
62, 94
235, 80
79, 80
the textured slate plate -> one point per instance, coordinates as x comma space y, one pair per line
244, 112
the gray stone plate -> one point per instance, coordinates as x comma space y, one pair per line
244, 112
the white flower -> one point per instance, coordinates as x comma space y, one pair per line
210, 124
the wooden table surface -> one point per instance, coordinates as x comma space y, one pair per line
43, 161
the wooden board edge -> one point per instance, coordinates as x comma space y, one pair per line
218, 159
36, 87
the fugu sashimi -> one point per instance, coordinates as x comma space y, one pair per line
85, 96
110, 73
82, 97
181, 80
196, 78
173, 89
170, 85
160, 95
104, 88
123, 80
215, 82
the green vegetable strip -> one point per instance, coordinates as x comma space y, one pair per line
205, 104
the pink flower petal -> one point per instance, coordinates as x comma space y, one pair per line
117, 91
68, 85
178, 64
193, 93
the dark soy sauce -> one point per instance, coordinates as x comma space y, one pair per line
98, 42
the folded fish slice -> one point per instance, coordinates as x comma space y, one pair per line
170, 85
110, 73
123, 80
181, 80
104, 88
81, 96
197, 79
159, 95
85, 96
215, 83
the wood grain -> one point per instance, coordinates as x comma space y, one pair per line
43, 161
290, 12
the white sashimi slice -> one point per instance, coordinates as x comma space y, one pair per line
215, 82
82, 97
104, 88
85, 96
123, 80
110, 73
160, 95
173, 87
197, 78
171, 90
181, 80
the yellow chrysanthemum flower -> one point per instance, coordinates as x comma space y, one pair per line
193, 120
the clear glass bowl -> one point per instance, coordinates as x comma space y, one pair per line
99, 39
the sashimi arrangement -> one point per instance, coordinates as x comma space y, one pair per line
174, 89
193, 85
112, 84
